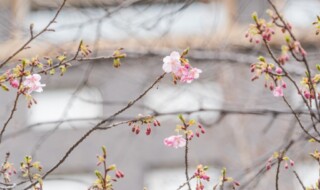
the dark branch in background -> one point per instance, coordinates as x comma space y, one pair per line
84, 82
299, 121
33, 37
263, 170
223, 113
96, 127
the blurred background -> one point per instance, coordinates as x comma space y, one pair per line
245, 124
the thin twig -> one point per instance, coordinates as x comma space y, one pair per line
33, 37
297, 176
299, 121
185, 183
96, 127
278, 172
186, 162
14, 108
304, 58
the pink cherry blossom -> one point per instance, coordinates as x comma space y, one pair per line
176, 141
14, 83
172, 63
32, 82
182, 71
193, 73
277, 92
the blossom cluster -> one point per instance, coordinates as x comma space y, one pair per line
144, 120
180, 67
273, 76
200, 175
26, 168
317, 25
280, 157
105, 181
224, 178
7, 170
25, 76
261, 28
178, 141
309, 88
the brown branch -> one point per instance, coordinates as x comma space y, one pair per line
299, 121
96, 127
223, 112
13, 109
263, 170
312, 115
278, 172
298, 178
33, 37
289, 77
185, 183
11, 116
186, 162
304, 58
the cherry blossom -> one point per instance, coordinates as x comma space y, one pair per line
172, 63
180, 68
176, 141
32, 82
277, 92
193, 73
14, 83
182, 71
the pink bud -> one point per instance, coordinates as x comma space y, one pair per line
119, 174
197, 134
278, 70
268, 166
307, 94
303, 52
203, 131
236, 183
271, 87
284, 85
286, 166
137, 130
291, 162
148, 131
